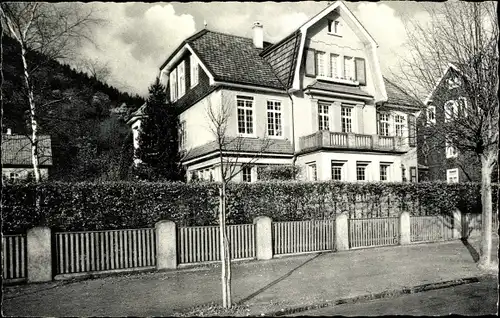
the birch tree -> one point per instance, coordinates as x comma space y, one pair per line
464, 35
54, 31
230, 166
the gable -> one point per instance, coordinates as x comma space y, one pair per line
16, 150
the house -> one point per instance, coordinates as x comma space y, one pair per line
438, 159
316, 98
17, 160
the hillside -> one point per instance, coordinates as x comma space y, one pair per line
84, 117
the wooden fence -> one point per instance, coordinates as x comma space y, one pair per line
14, 257
303, 236
201, 243
79, 252
373, 232
431, 228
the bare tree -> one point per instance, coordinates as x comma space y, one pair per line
465, 36
53, 30
230, 166
96, 69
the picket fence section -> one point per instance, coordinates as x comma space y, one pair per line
373, 232
303, 236
80, 252
431, 228
202, 243
14, 256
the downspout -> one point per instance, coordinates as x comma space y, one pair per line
290, 83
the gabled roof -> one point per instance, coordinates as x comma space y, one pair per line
16, 150
397, 96
446, 71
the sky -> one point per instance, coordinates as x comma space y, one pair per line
138, 37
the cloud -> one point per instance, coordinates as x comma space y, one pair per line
134, 43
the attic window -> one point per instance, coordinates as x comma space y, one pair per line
334, 27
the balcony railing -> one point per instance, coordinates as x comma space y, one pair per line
337, 140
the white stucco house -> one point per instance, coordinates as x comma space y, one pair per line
318, 97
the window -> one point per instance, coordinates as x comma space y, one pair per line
360, 68
182, 135
274, 125
403, 173
361, 171
431, 114
323, 117
384, 124
177, 82
193, 71
334, 66
337, 170
454, 83
451, 150
462, 106
384, 171
452, 175
14, 176
450, 110
173, 84
413, 174
349, 68
312, 174
245, 114
399, 125
320, 63
346, 118
333, 27
247, 174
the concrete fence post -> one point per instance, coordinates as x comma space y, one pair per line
404, 229
342, 232
166, 245
457, 224
39, 254
264, 237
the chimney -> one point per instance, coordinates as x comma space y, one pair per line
9, 131
258, 35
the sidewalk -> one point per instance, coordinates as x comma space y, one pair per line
264, 286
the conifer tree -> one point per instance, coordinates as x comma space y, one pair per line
158, 149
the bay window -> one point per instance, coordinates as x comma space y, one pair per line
384, 124
346, 119
399, 125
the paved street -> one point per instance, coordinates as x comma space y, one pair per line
469, 299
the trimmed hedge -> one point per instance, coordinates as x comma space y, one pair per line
118, 205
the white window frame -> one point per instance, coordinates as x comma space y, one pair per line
245, 107
346, 119
431, 114
451, 150
246, 174
338, 165
321, 63
399, 125
181, 79
334, 61
334, 27
349, 69
173, 85
274, 119
182, 135
14, 176
323, 116
450, 110
364, 165
312, 171
452, 178
384, 124
388, 176
193, 72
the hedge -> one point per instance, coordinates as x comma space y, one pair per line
118, 205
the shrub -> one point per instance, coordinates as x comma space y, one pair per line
119, 205
281, 172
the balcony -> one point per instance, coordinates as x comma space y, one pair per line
336, 140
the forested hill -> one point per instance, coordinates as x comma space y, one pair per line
84, 116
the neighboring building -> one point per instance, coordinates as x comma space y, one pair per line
17, 160
317, 96
439, 160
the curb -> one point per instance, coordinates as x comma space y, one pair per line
382, 295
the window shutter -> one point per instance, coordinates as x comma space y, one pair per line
412, 131
310, 62
314, 111
360, 69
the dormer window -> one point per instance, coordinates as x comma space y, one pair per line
334, 27
193, 71
177, 82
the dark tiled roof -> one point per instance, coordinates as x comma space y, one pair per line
338, 88
233, 59
397, 96
255, 145
16, 150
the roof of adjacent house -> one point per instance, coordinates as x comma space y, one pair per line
16, 150
397, 96
234, 59
254, 145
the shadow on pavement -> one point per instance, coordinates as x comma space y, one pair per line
276, 281
471, 249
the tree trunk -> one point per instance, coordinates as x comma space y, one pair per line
485, 253
34, 124
222, 229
